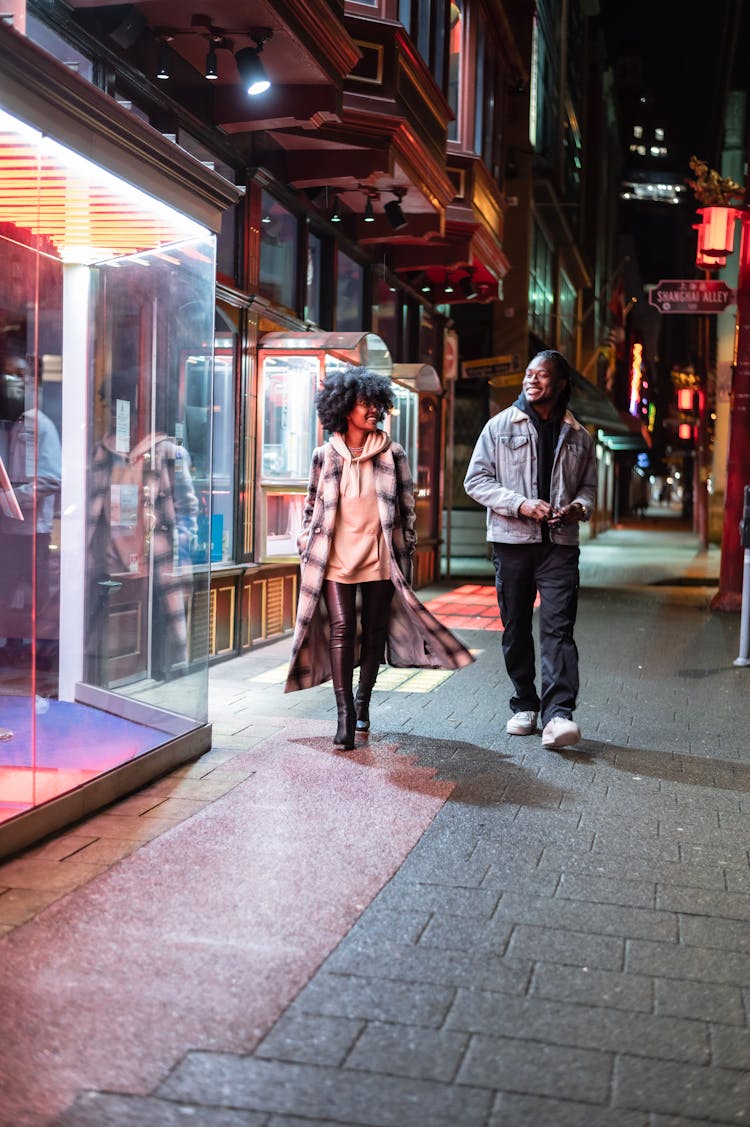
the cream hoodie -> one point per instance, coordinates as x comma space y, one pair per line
358, 551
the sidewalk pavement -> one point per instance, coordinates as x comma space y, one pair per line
446, 927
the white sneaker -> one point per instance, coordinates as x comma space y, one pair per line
521, 724
560, 732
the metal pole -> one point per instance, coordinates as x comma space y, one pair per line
744, 655
743, 658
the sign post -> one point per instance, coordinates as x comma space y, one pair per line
691, 295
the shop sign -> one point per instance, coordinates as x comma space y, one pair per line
492, 368
691, 296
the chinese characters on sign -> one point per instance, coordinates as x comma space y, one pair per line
691, 296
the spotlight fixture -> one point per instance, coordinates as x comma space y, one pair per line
392, 209
162, 66
369, 216
426, 285
212, 63
448, 287
336, 210
251, 69
467, 286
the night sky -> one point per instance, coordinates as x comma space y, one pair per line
689, 53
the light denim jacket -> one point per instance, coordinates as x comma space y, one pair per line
502, 475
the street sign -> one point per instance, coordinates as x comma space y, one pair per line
690, 295
490, 367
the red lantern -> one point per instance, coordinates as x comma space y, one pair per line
703, 260
685, 430
685, 399
718, 229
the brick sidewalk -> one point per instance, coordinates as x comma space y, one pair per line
568, 941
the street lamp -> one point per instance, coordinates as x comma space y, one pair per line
717, 229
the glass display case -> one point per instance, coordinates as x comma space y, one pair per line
106, 305
292, 367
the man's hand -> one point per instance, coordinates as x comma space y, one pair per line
536, 510
569, 514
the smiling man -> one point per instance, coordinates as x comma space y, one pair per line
534, 469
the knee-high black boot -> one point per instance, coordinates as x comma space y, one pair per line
340, 601
376, 602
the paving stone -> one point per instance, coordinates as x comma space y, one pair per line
683, 962
453, 872
586, 986
477, 903
708, 931
585, 1027
714, 1094
99, 1109
727, 853
703, 902
402, 926
317, 1093
459, 933
567, 947
536, 1111
369, 999
701, 1001
632, 868
310, 1038
500, 878
514, 1065
401, 1050
49, 876
603, 890
593, 918
431, 965
17, 905
731, 1048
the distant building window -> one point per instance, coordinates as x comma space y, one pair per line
541, 293
659, 134
638, 132
454, 67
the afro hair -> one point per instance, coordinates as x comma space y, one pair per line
342, 390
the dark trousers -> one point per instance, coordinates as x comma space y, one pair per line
551, 569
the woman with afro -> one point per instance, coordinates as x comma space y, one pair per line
358, 538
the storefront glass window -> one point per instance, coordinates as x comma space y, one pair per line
403, 422
349, 286
104, 294
290, 431
385, 314
278, 252
210, 448
313, 278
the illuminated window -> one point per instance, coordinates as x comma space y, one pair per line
454, 66
638, 132
658, 134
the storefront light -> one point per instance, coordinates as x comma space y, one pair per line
87, 213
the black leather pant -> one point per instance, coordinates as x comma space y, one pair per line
340, 600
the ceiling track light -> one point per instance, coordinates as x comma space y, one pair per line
251, 70
467, 286
212, 63
336, 210
369, 215
162, 65
448, 287
393, 211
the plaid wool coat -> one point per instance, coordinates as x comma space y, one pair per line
415, 637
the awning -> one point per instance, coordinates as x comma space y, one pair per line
616, 429
421, 377
361, 348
